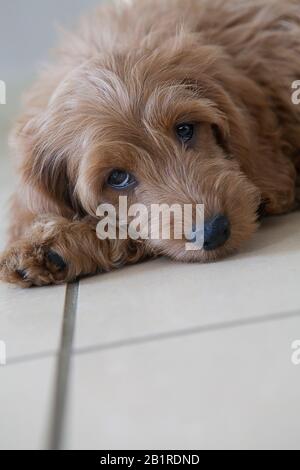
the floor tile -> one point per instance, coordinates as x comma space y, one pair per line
30, 320
162, 296
231, 388
26, 404
30, 327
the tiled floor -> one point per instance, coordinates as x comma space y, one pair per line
159, 355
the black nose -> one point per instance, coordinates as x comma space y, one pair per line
216, 232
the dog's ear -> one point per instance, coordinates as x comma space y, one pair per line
275, 176
254, 139
256, 142
43, 169
257, 146
41, 149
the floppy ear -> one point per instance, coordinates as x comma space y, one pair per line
43, 170
257, 146
256, 142
41, 150
275, 176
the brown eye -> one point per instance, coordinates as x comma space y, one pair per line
185, 132
119, 179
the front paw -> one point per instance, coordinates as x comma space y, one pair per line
28, 264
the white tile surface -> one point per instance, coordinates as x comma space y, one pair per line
223, 388
25, 404
30, 320
231, 388
162, 296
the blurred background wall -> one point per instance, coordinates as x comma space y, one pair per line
28, 29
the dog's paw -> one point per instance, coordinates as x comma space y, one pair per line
27, 264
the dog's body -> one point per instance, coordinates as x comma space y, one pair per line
119, 89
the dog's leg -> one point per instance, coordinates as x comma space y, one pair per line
55, 250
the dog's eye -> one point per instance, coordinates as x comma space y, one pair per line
119, 179
185, 132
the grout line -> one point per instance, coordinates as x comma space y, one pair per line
155, 337
31, 358
63, 368
187, 332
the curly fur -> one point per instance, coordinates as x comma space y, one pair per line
111, 98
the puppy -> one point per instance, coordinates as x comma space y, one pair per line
164, 101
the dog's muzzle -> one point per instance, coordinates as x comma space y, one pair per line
216, 232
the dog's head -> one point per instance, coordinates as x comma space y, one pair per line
174, 124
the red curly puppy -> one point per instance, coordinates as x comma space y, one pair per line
165, 101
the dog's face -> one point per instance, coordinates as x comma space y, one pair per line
171, 150
160, 128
